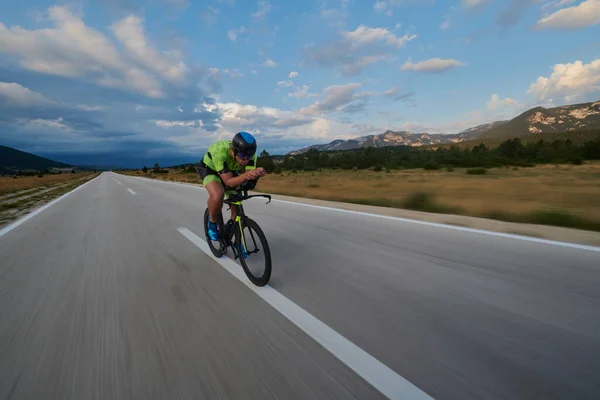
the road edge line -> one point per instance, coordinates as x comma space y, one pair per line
35, 212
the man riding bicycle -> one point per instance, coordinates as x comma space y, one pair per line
228, 164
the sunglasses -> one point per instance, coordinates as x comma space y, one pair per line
245, 156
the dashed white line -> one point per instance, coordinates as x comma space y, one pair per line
384, 379
131, 191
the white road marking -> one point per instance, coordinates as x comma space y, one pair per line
426, 223
39, 210
119, 182
131, 191
369, 368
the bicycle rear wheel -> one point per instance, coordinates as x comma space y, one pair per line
217, 251
248, 240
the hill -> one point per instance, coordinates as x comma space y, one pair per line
399, 138
538, 120
13, 160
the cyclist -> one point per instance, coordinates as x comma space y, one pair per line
228, 164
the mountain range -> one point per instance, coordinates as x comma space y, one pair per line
13, 160
575, 117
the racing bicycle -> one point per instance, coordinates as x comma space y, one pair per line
242, 243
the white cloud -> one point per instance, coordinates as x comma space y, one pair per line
285, 83
269, 63
264, 7
582, 15
359, 63
433, 65
293, 74
473, 4
364, 35
354, 50
15, 94
129, 31
232, 34
337, 97
301, 92
496, 102
557, 4
75, 50
568, 81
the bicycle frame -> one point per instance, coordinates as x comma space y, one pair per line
235, 200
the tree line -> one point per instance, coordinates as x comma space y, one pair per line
512, 152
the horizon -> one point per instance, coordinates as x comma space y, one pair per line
126, 82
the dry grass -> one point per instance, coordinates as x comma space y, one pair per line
549, 194
10, 185
22, 197
542, 194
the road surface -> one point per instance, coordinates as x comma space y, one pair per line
109, 294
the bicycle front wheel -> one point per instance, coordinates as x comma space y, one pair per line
252, 239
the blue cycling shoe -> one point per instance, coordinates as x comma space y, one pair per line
212, 231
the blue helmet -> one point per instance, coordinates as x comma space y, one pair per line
244, 145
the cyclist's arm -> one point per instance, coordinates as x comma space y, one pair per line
225, 174
233, 181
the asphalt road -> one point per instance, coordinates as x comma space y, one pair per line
103, 297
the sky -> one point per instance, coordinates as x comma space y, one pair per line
130, 83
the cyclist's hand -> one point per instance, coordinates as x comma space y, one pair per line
252, 174
261, 171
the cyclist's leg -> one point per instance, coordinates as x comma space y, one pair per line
214, 187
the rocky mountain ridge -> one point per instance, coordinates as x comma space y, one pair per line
536, 120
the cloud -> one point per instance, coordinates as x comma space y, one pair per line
293, 74
337, 97
355, 50
130, 32
301, 92
232, 34
74, 50
395, 93
385, 6
582, 15
364, 35
269, 63
496, 102
285, 83
473, 4
433, 65
127, 83
17, 95
264, 7
569, 81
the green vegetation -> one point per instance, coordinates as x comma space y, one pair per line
511, 152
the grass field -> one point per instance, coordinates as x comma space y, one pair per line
10, 185
561, 195
19, 196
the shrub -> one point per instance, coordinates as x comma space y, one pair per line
431, 166
477, 171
